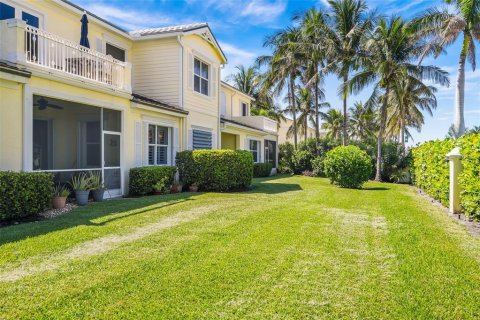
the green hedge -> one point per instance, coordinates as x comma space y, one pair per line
261, 170
348, 166
24, 193
142, 179
431, 170
470, 177
216, 170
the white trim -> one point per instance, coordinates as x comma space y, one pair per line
209, 71
145, 107
259, 148
27, 128
195, 127
160, 122
23, 6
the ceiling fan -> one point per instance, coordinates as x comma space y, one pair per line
42, 104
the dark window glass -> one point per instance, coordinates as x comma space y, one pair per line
112, 179
112, 120
115, 52
200, 77
30, 19
204, 87
112, 150
244, 109
6, 12
196, 83
271, 152
254, 150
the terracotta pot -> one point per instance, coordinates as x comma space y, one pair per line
193, 188
157, 192
59, 202
173, 189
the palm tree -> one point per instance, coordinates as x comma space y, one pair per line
362, 122
284, 66
409, 97
314, 44
349, 23
333, 123
442, 28
389, 49
245, 79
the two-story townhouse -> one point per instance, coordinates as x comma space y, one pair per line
241, 130
131, 99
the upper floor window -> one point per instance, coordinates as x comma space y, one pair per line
6, 11
244, 109
115, 52
158, 145
200, 77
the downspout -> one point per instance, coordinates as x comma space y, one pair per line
181, 85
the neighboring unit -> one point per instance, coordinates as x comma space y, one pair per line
131, 99
284, 137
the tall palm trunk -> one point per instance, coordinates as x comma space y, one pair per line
344, 128
317, 131
294, 110
459, 121
306, 128
402, 128
383, 120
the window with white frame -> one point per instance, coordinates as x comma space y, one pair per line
255, 150
200, 76
158, 145
115, 51
244, 109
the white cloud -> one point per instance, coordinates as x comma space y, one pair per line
236, 57
263, 11
231, 50
128, 18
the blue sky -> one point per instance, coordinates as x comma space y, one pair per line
241, 27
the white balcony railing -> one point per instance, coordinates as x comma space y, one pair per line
260, 122
47, 50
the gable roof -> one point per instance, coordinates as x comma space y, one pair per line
139, 98
200, 28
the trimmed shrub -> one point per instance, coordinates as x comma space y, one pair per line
318, 167
142, 179
348, 166
301, 160
431, 170
261, 170
24, 193
216, 170
470, 176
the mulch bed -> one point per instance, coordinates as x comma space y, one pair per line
47, 214
472, 226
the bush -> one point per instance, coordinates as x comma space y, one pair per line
470, 176
318, 167
348, 166
216, 170
261, 170
301, 160
24, 193
285, 153
431, 170
142, 179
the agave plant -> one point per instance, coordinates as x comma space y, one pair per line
81, 182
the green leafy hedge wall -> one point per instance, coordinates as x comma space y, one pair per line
431, 171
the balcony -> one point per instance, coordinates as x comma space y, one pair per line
259, 122
37, 48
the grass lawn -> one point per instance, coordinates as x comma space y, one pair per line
293, 247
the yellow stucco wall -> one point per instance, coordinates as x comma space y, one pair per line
229, 141
11, 134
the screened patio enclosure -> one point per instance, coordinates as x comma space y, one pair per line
70, 138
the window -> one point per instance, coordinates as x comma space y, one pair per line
255, 150
202, 139
244, 109
30, 19
115, 52
158, 145
200, 77
6, 11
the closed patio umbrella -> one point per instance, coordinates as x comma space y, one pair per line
84, 33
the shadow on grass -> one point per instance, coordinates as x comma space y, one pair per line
121, 208
375, 188
263, 185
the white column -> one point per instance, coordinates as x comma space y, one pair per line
455, 159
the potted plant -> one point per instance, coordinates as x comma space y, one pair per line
159, 187
81, 186
176, 188
60, 195
193, 187
96, 183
